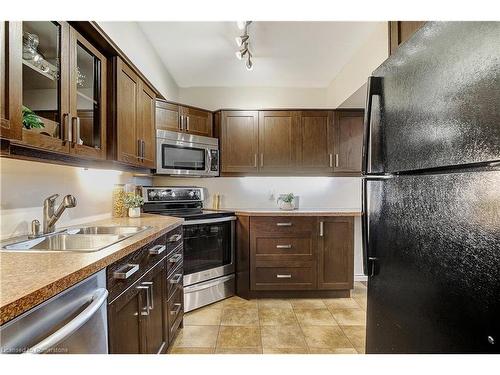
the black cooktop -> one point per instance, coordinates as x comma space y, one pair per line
193, 214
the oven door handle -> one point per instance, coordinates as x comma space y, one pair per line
207, 285
209, 221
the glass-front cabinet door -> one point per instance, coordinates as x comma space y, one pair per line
45, 107
87, 98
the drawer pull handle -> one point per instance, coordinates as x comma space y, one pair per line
178, 307
126, 271
157, 250
149, 284
283, 246
175, 258
174, 238
176, 279
284, 224
278, 276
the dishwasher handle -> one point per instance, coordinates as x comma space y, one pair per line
98, 298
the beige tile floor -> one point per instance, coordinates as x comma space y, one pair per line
276, 326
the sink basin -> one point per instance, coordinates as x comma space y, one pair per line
118, 230
84, 239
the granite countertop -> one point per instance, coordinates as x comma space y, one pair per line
30, 278
298, 212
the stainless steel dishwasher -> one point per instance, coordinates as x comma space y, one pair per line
74, 321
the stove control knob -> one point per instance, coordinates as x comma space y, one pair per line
163, 193
192, 194
152, 194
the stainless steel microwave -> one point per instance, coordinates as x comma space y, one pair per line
181, 154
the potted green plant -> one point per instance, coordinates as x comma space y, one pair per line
133, 202
286, 201
31, 120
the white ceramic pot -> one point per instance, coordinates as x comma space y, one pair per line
134, 212
286, 205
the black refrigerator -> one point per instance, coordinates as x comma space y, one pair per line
431, 193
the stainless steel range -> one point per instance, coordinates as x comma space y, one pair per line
209, 242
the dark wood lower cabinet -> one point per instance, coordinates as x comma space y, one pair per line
336, 253
146, 306
310, 256
136, 317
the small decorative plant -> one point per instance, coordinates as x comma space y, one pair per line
31, 120
286, 201
133, 202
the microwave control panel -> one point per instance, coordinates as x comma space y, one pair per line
214, 157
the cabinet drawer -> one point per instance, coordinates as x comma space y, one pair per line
127, 270
174, 259
175, 311
175, 281
284, 278
284, 247
282, 224
174, 239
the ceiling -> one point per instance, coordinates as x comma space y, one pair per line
285, 54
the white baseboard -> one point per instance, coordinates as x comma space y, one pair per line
360, 278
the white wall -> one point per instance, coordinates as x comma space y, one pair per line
261, 192
25, 184
132, 41
214, 98
354, 74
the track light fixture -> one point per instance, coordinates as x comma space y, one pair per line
243, 42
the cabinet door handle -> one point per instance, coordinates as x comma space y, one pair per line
143, 149
336, 160
75, 125
321, 229
157, 250
261, 160
187, 123
284, 224
181, 123
126, 271
281, 276
283, 246
68, 134
176, 279
145, 310
149, 284
331, 160
175, 258
139, 149
174, 238
178, 307
255, 161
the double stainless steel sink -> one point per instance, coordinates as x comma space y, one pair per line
82, 239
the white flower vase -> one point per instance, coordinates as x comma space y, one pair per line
286, 205
134, 212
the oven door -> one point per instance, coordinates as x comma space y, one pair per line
182, 158
208, 249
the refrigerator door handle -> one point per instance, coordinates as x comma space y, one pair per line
373, 87
368, 259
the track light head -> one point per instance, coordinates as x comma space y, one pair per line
249, 64
242, 25
240, 40
242, 52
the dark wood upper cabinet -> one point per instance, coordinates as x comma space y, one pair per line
197, 121
135, 118
168, 116
179, 118
277, 134
400, 31
87, 98
348, 131
10, 73
146, 127
239, 141
54, 85
315, 142
336, 253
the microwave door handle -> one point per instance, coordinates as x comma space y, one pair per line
209, 160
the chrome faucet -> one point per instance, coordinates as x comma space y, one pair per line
50, 216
